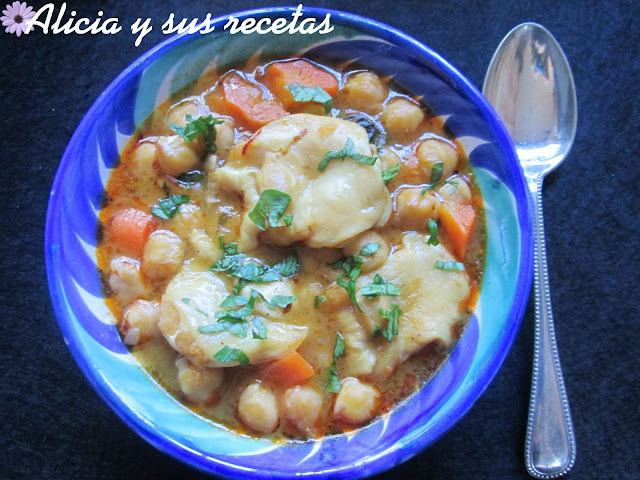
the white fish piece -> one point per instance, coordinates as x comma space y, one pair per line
328, 206
431, 300
191, 301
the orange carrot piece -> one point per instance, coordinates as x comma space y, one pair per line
280, 74
129, 230
458, 221
245, 100
290, 370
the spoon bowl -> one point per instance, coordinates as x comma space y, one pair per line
529, 83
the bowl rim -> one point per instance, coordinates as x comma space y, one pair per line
209, 464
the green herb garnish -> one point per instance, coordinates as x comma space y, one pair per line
346, 152
228, 355
392, 315
236, 322
449, 265
433, 232
258, 329
234, 301
318, 300
201, 126
282, 301
369, 249
352, 267
333, 382
231, 260
436, 175
288, 267
236, 265
168, 207
316, 94
390, 173
380, 287
436, 172
271, 208
190, 177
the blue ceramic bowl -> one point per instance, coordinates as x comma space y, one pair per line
88, 326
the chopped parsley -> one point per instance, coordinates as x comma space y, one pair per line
433, 232
236, 265
231, 260
186, 301
235, 321
168, 206
369, 249
282, 301
333, 382
238, 300
449, 265
436, 175
380, 287
228, 355
352, 266
201, 126
317, 94
436, 172
392, 315
190, 177
390, 173
455, 184
288, 267
271, 208
346, 152
318, 300
234, 301
258, 329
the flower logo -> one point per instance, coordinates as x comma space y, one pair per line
16, 18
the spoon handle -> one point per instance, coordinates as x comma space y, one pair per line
550, 449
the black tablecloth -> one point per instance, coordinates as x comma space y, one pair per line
55, 426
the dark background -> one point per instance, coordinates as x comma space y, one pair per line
53, 425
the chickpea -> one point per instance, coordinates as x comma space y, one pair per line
188, 218
431, 151
163, 254
302, 406
177, 114
456, 190
140, 322
125, 278
198, 383
225, 137
356, 401
144, 158
257, 409
401, 117
413, 210
337, 298
371, 262
204, 247
388, 158
364, 91
176, 155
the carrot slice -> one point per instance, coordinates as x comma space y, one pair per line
245, 100
458, 221
129, 230
290, 370
279, 75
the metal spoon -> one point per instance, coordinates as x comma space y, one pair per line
529, 83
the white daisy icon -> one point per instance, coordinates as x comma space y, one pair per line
15, 18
